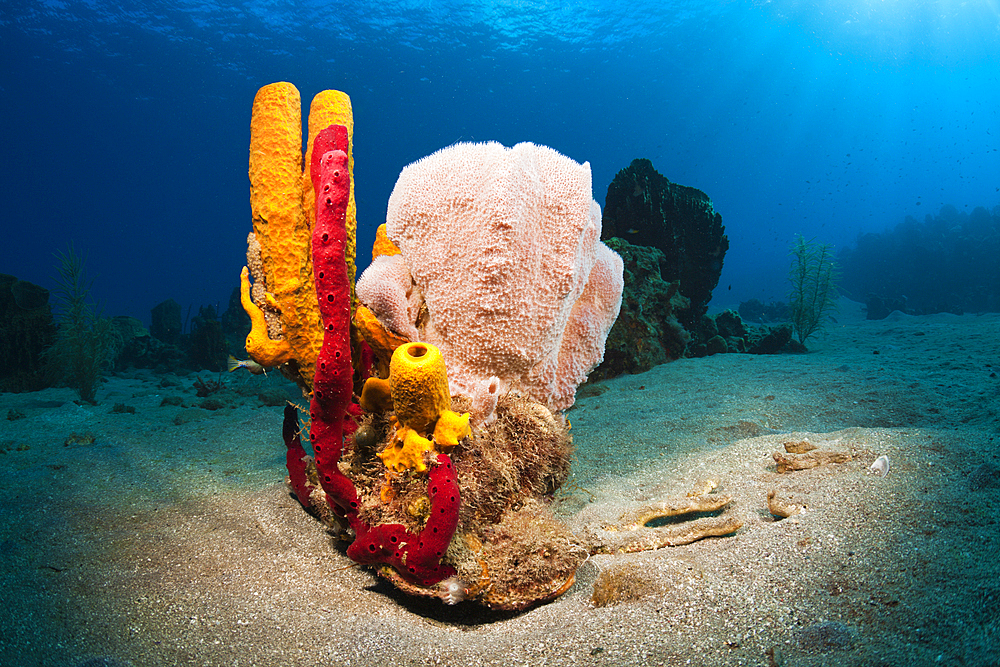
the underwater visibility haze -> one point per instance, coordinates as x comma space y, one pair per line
753, 420
127, 124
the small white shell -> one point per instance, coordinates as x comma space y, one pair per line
880, 467
452, 590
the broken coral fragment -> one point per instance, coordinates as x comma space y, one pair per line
780, 505
799, 446
811, 459
632, 534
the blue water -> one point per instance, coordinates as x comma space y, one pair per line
126, 125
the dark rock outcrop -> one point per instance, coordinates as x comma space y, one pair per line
645, 208
646, 332
166, 322
26, 330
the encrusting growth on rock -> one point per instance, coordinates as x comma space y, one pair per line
787, 462
632, 534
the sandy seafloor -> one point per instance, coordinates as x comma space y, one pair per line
171, 540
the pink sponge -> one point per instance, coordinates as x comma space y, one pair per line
501, 244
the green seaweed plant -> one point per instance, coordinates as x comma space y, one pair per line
86, 343
814, 277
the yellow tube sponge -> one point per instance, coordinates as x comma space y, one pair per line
419, 383
283, 206
281, 226
263, 350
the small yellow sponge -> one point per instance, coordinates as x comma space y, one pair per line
376, 395
383, 246
450, 429
382, 341
406, 451
419, 385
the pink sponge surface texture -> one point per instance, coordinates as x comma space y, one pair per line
503, 245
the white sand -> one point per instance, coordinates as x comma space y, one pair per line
167, 544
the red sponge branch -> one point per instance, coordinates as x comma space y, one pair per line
333, 382
416, 556
295, 457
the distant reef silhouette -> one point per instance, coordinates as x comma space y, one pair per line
945, 264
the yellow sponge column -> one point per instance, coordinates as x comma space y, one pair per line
284, 211
333, 107
419, 385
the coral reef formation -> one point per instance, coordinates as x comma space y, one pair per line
500, 267
727, 332
439, 509
673, 244
488, 301
755, 310
645, 208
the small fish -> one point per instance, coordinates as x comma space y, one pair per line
248, 364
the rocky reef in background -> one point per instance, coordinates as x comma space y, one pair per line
673, 244
647, 332
947, 263
26, 330
646, 209
202, 343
